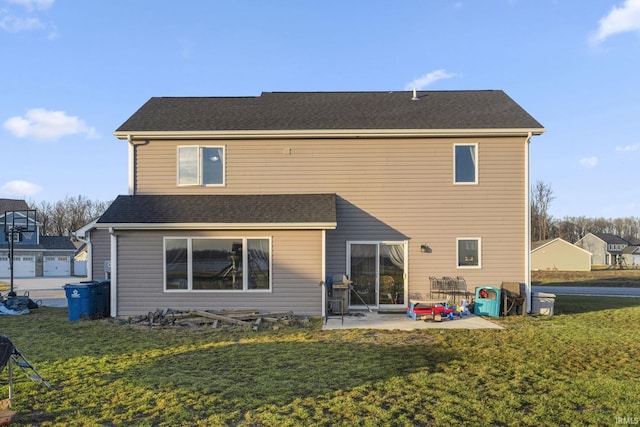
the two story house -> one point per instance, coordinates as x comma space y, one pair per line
33, 255
605, 248
251, 202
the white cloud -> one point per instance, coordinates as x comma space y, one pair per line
427, 79
20, 188
620, 20
14, 24
44, 124
634, 147
33, 4
14, 21
589, 162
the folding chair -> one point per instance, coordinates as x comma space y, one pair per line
10, 355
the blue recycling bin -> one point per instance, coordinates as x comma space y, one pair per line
82, 299
487, 302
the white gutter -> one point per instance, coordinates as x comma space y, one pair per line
114, 272
527, 228
219, 226
325, 133
87, 241
323, 272
131, 171
84, 235
132, 162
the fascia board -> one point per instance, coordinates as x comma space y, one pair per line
83, 230
326, 133
219, 226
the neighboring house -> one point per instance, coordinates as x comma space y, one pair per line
631, 257
604, 247
34, 255
252, 202
80, 259
559, 255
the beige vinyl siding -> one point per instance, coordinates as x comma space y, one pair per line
388, 189
296, 273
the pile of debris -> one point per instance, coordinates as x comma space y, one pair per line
249, 318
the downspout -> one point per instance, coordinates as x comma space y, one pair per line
323, 272
132, 173
132, 163
527, 237
87, 241
114, 272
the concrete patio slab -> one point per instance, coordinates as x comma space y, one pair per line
400, 321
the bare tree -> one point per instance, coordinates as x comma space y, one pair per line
66, 216
541, 198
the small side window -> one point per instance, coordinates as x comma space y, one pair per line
468, 252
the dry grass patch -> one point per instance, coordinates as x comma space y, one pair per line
603, 278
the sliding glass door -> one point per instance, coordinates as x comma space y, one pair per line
377, 270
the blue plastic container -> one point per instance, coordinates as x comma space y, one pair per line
487, 302
82, 299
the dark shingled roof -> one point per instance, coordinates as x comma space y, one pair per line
483, 109
221, 209
611, 239
12, 205
55, 243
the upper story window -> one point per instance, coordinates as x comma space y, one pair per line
198, 165
465, 163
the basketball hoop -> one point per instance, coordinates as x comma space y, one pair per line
15, 224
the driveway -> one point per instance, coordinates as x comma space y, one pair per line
46, 291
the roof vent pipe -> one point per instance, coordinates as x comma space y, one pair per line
415, 95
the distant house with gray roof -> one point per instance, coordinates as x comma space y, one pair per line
33, 255
605, 248
245, 202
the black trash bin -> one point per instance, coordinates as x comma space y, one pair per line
103, 297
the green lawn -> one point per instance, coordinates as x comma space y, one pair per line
579, 367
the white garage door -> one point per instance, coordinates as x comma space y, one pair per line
57, 266
23, 266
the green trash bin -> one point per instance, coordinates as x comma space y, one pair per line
81, 299
487, 302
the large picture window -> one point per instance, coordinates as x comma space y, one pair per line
200, 165
465, 163
469, 250
217, 264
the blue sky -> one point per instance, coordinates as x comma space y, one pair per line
72, 71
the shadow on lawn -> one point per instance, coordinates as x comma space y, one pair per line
277, 373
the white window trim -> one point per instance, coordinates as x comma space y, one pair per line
245, 278
199, 166
467, 267
477, 163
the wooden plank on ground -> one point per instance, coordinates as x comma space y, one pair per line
222, 318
